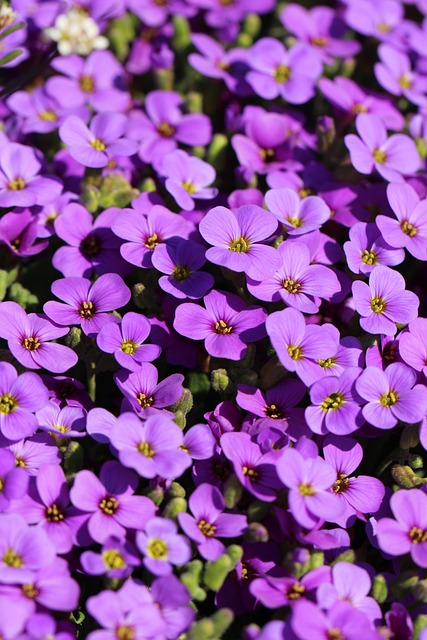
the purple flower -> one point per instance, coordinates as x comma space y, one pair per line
28, 337
91, 243
335, 404
360, 494
116, 560
208, 523
19, 232
87, 304
180, 263
299, 346
413, 345
379, 20
297, 216
391, 157
384, 302
162, 546
408, 532
341, 621
94, 146
20, 182
297, 282
145, 232
68, 422
13, 480
126, 341
391, 396
368, 248
274, 592
20, 396
109, 502
278, 72
410, 228
187, 177
395, 75
145, 396
31, 453
153, 448
97, 80
254, 470
164, 125
226, 325
309, 481
236, 236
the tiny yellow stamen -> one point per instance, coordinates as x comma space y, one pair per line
206, 528
294, 221
129, 347
109, 505
7, 403
16, 185
291, 286
48, 116
181, 273
239, 245
294, 352
165, 129
378, 304
144, 400
306, 489
157, 549
113, 559
87, 310
389, 399
333, 402
87, 84
408, 228
369, 257
189, 187
146, 449
222, 327
12, 559
379, 156
97, 144
31, 344
282, 73
341, 483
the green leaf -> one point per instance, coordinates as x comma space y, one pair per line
10, 56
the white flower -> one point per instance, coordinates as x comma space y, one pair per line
76, 32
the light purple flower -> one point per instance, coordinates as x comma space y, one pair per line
116, 559
68, 422
126, 341
153, 447
395, 75
94, 146
384, 302
413, 345
368, 248
391, 396
187, 177
162, 546
13, 480
309, 622
226, 325
28, 339
87, 304
391, 157
19, 231
298, 216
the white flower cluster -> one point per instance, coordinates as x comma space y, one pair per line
7, 16
76, 32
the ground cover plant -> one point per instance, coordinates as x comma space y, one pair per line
213, 342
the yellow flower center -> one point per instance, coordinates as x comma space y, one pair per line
113, 559
129, 347
358, 108
157, 549
389, 399
20, 462
146, 449
328, 363
87, 310
306, 489
295, 592
282, 73
405, 81
181, 273
87, 84
54, 514
267, 155
340, 484
165, 129
7, 403
31, 344
222, 327
383, 27
109, 505
408, 228
369, 257
334, 634
252, 474
206, 528
319, 41
294, 352
417, 535
189, 187
125, 632
48, 116
304, 192
378, 304
144, 400
16, 185
97, 144
294, 221
239, 245
333, 402
12, 559
379, 156
29, 591
152, 241
272, 411
291, 286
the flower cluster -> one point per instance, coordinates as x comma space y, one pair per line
213, 342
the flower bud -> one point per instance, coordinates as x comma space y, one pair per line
173, 507
216, 572
256, 532
220, 381
379, 589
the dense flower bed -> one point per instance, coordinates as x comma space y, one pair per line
213, 229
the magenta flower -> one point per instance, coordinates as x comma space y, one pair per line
91, 245
145, 396
153, 448
226, 325
236, 237
297, 282
309, 622
391, 396
109, 502
274, 592
87, 304
360, 494
299, 346
391, 157
408, 532
20, 396
395, 75
126, 341
19, 232
187, 178
94, 146
145, 232
255, 471
28, 337
335, 404
180, 263
410, 228
13, 480
297, 216
208, 522
384, 302
165, 124
162, 546
413, 345
277, 72
309, 481
368, 248
20, 182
